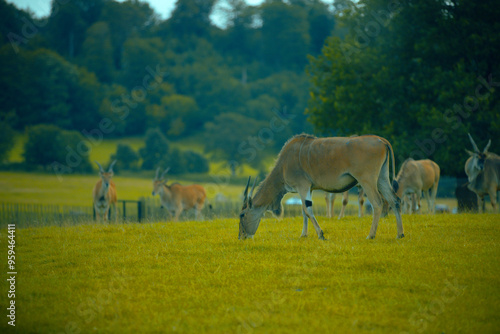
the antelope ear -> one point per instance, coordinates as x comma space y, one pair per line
470, 152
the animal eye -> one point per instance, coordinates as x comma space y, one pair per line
242, 215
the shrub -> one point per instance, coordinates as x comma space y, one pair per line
195, 162
6, 140
48, 144
155, 149
126, 158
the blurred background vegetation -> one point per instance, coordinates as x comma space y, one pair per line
420, 73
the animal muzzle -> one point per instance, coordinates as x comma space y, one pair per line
245, 236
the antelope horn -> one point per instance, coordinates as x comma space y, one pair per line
253, 187
246, 189
473, 144
157, 173
100, 167
165, 172
487, 147
111, 166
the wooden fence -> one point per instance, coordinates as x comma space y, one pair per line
142, 210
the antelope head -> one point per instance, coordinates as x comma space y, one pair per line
106, 176
475, 164
249, 216
159, 180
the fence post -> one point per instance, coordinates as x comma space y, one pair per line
141, 208
124, 210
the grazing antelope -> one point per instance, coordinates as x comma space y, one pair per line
333, 164
104, 193
483, 171
416, 176
410, 203
176, 198
330, 200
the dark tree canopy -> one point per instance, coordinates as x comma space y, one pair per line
421, 74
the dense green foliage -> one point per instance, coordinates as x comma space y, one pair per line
54, 149
6, 140
157, 153
420, 73
101, 60
126, 158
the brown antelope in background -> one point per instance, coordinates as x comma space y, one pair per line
104, 193
483, 171
330, 200
176, 198
334, 164
416, 176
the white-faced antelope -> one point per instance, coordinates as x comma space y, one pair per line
483, 171
104, 193
177, 198
330, 201
334, 164
416, 176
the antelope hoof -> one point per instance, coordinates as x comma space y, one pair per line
400, 236
370, 237
321, 236
303, 236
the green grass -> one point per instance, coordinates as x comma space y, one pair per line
196, 277
16, 153
16, 187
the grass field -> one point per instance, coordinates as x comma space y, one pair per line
18, 187
196, 277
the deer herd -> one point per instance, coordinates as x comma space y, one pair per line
334, 165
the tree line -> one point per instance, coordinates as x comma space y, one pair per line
423, 74
93, 61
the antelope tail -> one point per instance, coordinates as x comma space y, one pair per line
395, 184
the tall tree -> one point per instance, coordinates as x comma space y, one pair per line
285, 35
98, 52
191, 17
418, 73
126, 19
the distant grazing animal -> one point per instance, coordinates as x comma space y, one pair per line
334, 164
483, 171
104, 193
416, 176
410, 203
330, 200
176, 198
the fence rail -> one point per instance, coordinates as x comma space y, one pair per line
142, 210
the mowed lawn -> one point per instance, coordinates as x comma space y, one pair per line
40, 188
197, 277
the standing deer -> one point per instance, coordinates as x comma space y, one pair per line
333, 164
104, 193
483, 171
177, 198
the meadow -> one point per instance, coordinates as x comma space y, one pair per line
197, 277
